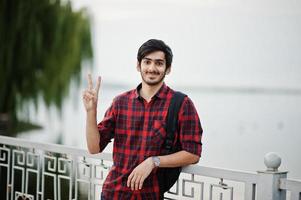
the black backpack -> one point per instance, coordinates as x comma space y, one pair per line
168, 176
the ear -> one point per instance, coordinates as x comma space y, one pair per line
168, 70
138, 67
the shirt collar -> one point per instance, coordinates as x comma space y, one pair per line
162, 92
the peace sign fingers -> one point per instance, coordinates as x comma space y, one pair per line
90, 83
90, 95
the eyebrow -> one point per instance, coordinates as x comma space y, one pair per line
146, 58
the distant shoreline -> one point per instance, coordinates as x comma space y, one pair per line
220, 89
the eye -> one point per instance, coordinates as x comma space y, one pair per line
159, 64
147, 62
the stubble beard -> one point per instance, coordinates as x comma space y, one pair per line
151, 83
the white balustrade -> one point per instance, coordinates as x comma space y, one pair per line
37, 171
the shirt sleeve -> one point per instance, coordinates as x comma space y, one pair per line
106, 127
190, 128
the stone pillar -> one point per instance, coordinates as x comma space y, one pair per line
269, 180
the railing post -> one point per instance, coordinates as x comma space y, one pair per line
268, 187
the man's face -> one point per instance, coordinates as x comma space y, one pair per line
153, 68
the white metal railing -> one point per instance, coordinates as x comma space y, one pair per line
31, 170
294, 186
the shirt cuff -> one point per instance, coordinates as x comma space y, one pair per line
194, 148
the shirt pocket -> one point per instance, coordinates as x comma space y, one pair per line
158, 135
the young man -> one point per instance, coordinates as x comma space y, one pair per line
136, 121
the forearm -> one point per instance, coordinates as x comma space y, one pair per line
178, 159
142, 171
92, 134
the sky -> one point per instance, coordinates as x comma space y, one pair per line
233, 43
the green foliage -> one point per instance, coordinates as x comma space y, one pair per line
42, 46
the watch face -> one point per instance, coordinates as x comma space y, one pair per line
156, 161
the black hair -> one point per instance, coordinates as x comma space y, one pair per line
153, 45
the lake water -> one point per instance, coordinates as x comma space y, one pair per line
239, 127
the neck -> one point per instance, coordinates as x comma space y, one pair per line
148, 91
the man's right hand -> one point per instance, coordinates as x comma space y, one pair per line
90, 95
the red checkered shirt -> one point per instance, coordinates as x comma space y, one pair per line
138, 130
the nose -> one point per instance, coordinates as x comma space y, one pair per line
152, 67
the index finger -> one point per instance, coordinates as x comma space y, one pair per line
128, 183
98, 84
90, 84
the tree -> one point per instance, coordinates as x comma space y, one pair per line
42, 46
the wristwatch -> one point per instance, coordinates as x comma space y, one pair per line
156, 161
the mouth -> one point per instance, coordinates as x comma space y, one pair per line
152, 74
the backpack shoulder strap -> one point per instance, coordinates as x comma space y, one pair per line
172, 118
